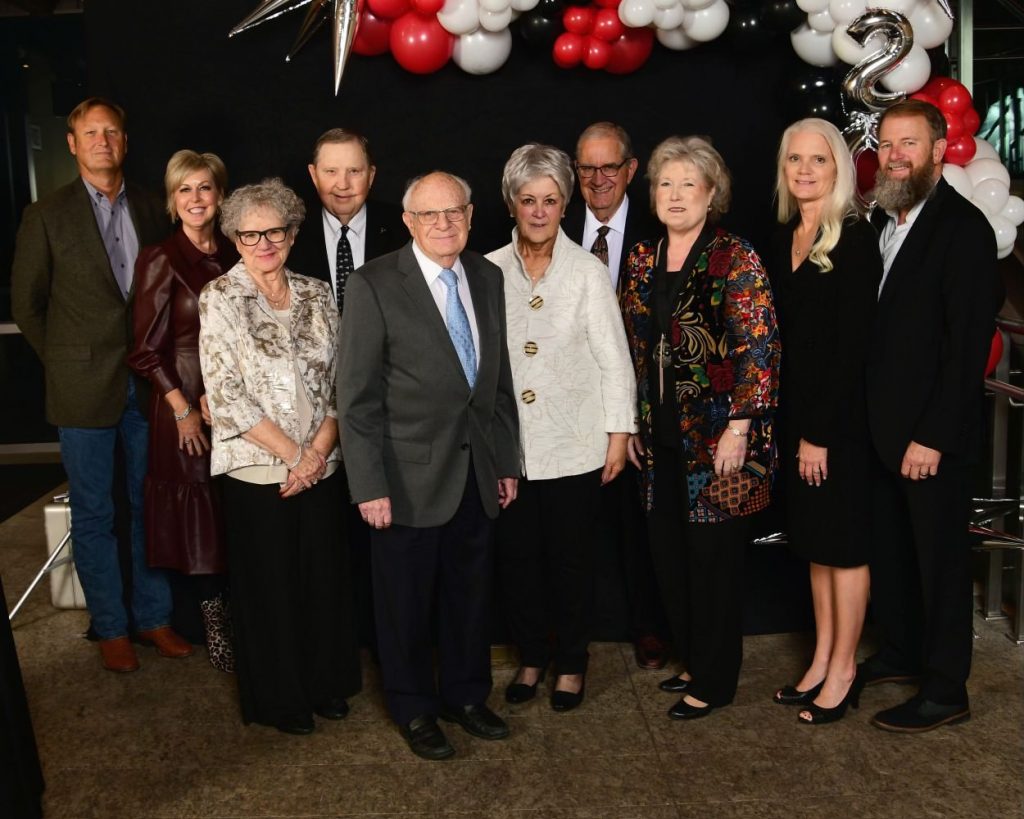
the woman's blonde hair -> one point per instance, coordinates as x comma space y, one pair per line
840, 202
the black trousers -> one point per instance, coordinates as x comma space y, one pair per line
358, 533
921, 596
444, 570
546, 568
291, 599
700, 571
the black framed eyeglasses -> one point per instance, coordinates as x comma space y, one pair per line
609, 170
430, 217
249, 238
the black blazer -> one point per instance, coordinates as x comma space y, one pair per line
385, 232
641, 225
933, 330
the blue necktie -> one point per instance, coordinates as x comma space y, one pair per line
458, 326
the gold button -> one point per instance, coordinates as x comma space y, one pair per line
530, 348
536, 303
529, 396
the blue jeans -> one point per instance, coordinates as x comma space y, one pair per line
88, 455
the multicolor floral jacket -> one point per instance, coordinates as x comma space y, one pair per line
725, 354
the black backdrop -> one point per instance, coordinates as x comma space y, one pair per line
185, 84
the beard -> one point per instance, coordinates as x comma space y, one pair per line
902, 194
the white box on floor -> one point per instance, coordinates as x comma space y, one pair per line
65, 590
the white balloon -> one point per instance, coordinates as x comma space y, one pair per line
932, 26
676, 39
845, 12
910, 73
706, 24
1002, 254
904, 7
495, 20
821, 21
493, 5
978, 169
459, 16
814, 47
958, 180
849, 50
524, 5
697, 5
482, 52
1006, 234
1013, 210
812, 6
637, 13
665, 4
669, 18
983, 150
990, 195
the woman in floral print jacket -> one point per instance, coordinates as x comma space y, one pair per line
701, 326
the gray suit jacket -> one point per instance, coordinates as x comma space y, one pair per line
409, 422
68, 305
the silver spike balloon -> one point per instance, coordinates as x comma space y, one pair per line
315, 17
944, 4
346, 21
859, 83
266, 10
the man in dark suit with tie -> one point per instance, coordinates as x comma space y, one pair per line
71, 285
939, 295
429, 433
608, 224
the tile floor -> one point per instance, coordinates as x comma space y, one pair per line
167, 741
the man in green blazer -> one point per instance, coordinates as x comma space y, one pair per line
71, 286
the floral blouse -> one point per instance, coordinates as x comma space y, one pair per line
250, 362
724, 353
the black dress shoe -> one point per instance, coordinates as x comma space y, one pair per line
518, 692
918, 715
334, 708
478, 720
791, 695
426, 739
675, 685
300, 726
683, 710
874, 672
650, 652
562, 701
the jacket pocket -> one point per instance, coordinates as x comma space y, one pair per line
408, 451
68, 352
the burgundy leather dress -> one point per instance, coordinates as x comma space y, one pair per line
184, 530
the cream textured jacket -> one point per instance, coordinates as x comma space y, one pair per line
573, 377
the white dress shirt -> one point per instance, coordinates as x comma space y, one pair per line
893, 236
615, 237
439, 290
356, 240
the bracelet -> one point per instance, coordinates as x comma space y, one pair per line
737, 433
184, 415
298, 458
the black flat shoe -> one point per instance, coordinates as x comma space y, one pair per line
426, 739
567, 700
299, 726
683, 710
823, 716
791, 695
518, 692
478, 720
675, 685
334, 708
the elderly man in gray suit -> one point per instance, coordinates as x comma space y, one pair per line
429, 432
71, 284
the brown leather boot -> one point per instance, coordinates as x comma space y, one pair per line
168, 644
118, 654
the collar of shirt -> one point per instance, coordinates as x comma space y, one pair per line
356, 225
431, 269
912, 214
99, 198
616, 223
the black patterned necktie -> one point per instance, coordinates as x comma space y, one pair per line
600, 246
344, 266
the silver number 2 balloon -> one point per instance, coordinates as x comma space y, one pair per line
859, 83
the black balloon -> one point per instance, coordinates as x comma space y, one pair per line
538, 30
550, 9
825, 104
810, 79
745, 28
782, 15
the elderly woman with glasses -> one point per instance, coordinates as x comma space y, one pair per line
267, 347
573, 376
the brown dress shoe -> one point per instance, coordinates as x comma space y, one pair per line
118, 655
650, 652
168, 644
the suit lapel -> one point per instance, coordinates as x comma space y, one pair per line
89, 238
915, 246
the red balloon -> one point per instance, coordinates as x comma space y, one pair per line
954, 126
372, 35
607, 4
607, 26
388, 9
596, 53
867, 167
578, 19
921, 95
972, 122
995, 352
568, 49
961, 151
936, 85
428, 7
631, 50
955, 98
420, 44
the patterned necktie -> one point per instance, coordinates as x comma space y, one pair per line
458, 326
344, 266
600, 246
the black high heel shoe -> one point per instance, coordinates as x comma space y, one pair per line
518, 692
821, 716
791, 695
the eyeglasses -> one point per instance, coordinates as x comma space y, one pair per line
252, 237
430, 217
610, 171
